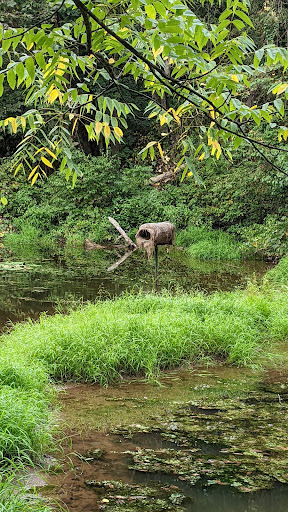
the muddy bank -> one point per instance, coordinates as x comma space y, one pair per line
203, 440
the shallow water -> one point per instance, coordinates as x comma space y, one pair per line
129, 418
31, 283
137, 409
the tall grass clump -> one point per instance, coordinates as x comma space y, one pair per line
25, 419
139, 335
207, 244
24, 425
279, 274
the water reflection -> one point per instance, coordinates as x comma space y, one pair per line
38, 284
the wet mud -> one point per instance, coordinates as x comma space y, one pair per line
202, 440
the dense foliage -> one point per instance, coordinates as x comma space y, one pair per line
250, 204
194, 71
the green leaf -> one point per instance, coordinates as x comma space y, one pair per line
150, 11
40, 60
160, 9
225, 14
1, 84
238, 24
20, 71
279, 105
30, 66
11, 78
237, 142
244, 17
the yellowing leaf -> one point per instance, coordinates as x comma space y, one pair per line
201, 157
53, 95
13, 124
157, 52
160, 150
89, 103
177, 118
190, 174
33, 172
234, 78
107, 131
46, 162
74, 125
280, 88
23, 122
50, 153
118, 131
98, 128
34, 178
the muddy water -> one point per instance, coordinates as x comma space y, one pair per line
127, 446
31, 283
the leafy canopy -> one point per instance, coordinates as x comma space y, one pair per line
200, 69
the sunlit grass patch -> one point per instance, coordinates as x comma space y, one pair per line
279, 274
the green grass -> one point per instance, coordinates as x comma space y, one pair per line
13, 497
131, 335
279, 274
140, 335
207, 244
24, 425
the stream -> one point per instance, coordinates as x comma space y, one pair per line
199, 440
32, 283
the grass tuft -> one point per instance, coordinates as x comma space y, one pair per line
24, 425
279, 274
206, 244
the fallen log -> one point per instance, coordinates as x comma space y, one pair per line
130, 242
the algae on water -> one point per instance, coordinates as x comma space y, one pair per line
238, 441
